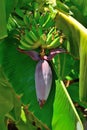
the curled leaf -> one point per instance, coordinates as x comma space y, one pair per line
33, 54
54, 52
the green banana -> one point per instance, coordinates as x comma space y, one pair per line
37, 15
25, 44
34, 22
36, 45
46, 15
43, 39
51, 30
28, 39
55, 43
33, 36
51, 35
40, 31
49, 39
24, 48
41, 20
46, 22
26, 20
34, 29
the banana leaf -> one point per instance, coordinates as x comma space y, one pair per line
20, 70
3, 28
77, 35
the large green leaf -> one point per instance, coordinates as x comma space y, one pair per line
29, 121
73, 90
2, 123
79, 11
7, 101
65, 116
9, 6
82, 5
10, 108
6, 97
63, 65
77, 34
71, 30
20, 70
3, 29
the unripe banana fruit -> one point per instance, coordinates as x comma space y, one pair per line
43, 81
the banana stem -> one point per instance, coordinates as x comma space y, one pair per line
77, 35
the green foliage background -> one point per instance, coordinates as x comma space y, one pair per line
59, 112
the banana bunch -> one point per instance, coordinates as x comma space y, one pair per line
39, 32
29, 41
52, 39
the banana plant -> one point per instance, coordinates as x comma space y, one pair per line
38, 25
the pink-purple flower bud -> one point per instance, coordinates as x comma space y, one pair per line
43, 81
